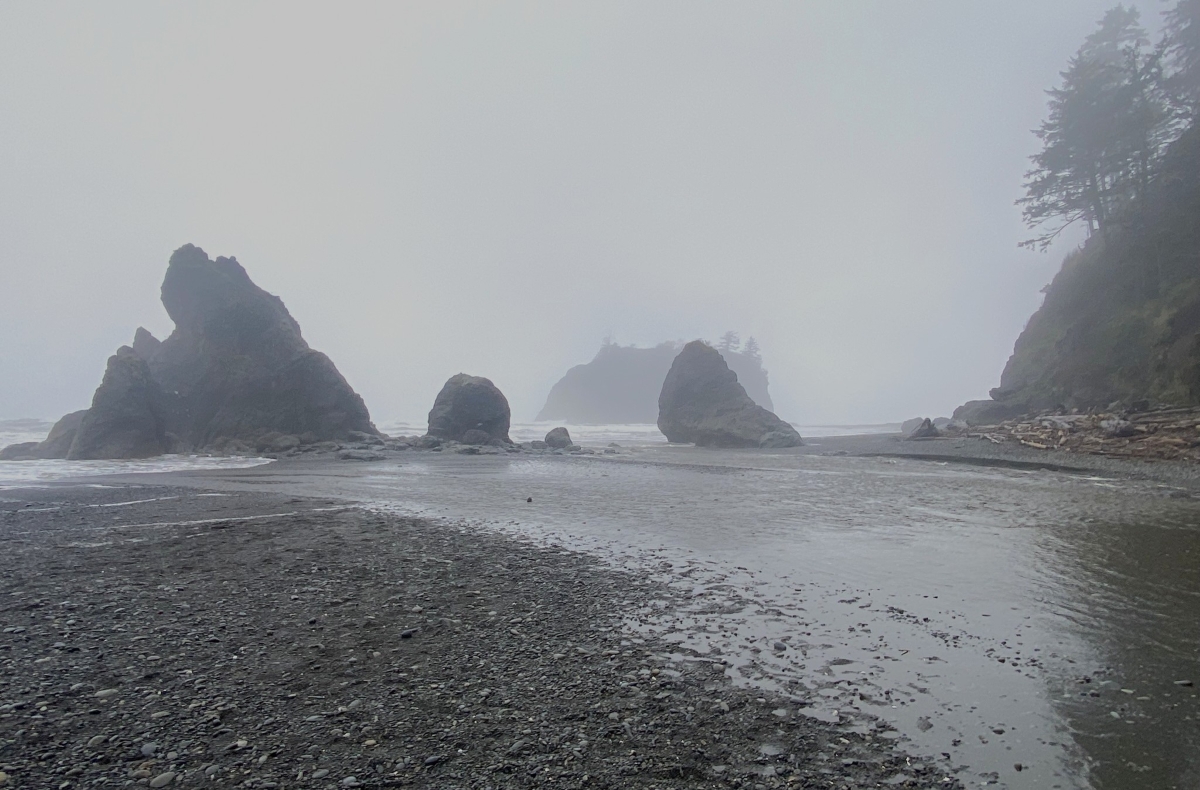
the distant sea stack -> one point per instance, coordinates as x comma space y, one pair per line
702, 402
622, 383
235, 368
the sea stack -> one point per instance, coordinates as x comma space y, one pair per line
702, 402
471, 410
235, 368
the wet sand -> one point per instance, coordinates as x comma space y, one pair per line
161, 636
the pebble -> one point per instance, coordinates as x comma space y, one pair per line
106, 693
96, 740
780, 647
1183, 683
350, 781
148, 749
3, 778
162, 780
211, 770
320, 773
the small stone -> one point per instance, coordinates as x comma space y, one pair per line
162, 780
96, 740
434, 760
780, 647
212, 770
369, 742
106, 693
1183, 683
3, 778
417, 608
320, 773
350, 781
148, 749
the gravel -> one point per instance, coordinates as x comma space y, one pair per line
263, 641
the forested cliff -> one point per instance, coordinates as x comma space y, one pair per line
1121, 320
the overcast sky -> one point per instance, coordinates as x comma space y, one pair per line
494, 188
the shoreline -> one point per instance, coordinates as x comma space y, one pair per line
260, 639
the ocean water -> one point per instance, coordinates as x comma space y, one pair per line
628, 434
21, 474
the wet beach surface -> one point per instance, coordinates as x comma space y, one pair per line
171, 636
1031, 619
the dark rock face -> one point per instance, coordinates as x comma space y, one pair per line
128, 414
703, 403
56, 445
476, 436
622, 383
235, 373
469, 403
558, 438
145, 345
989, 412
238, 362
23, 451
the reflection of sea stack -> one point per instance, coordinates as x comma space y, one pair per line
472, 410
235, 368
703, 403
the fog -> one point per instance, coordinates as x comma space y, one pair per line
494, 188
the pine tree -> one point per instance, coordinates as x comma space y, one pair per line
1108, 123
751, 349
1182, 40
729, 343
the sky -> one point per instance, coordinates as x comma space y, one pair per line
494, 188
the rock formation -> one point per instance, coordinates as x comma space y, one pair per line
127, 418
239, 363
235, 370
559, 438
56, 445
926, 430
622, 383
703, 403
470, 403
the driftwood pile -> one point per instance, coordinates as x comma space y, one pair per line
1165, 434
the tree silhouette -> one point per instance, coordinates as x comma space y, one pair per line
1108, 124
729, 342
1182, 40
751, 349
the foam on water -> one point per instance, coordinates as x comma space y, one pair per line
24, 474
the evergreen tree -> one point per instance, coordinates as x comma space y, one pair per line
1107, 125
751, 349
729, 343
1182, 40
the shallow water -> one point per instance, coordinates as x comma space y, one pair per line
998, 617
